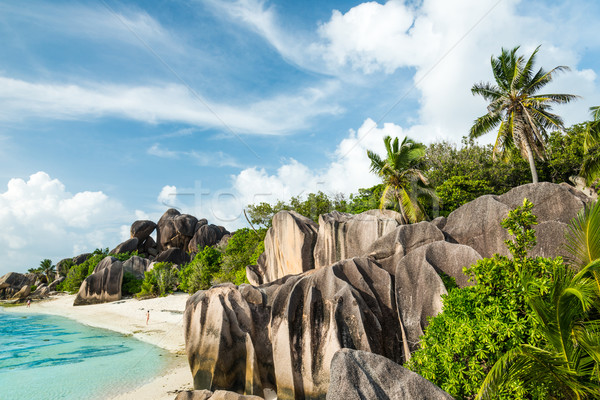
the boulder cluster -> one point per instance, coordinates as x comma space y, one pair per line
335, 308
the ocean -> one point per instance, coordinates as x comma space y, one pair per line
50, 357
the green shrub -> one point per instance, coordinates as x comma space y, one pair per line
198, 274
243, 249
459, 190
131, 284
159, 281
480, 323
33, 288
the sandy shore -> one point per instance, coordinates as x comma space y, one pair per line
165, 329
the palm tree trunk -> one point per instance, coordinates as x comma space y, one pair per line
534, 175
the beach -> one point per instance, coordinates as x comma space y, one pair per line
128, 316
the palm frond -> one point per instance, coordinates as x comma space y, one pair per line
583, 236
595, 111
484, 124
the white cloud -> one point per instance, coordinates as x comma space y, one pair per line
201, 158
41, 219
168, 103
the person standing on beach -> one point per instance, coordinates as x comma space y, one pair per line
147, 317
28, 303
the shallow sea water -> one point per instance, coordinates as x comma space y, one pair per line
50, 357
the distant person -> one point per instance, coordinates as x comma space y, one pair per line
28, 303
147, 317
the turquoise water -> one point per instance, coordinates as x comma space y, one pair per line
49, 357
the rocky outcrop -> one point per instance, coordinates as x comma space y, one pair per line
52, 286
358, 375
175, 230
80, 259
477, 224
218, 395
389, 249
419, 287
127, 246
136, 266
103, 285
173, 255
343, 236
142, 229
206, 235
240, 339
289, 245
15, 285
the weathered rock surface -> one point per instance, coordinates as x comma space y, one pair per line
137, 266
206, 235
477, 224
175, 230
389, 249
419, 287
52, 286
343, 235
41, 291
80, 259
126, 247
218, 395
173, 255
142, 229
359, 375
289, 245
240, 339
15, 285
103, 285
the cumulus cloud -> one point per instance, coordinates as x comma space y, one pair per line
41, 219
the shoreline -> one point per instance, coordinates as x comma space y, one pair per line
128, 317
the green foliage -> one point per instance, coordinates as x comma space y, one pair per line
482, 322
261, 214
243, 249
33, 288
365, 199
459, 190
131, 284
198, 274
519, 224
583, 237
78, 273
48, 269
159, 281
567, 360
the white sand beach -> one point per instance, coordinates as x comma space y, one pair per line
128, 316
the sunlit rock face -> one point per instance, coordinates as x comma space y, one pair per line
103, 285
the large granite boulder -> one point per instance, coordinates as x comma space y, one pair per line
103, 285
343, 235
289, 245
80, 259
173, 255
218, 395
389, 249
419, 287
136, 266
127, 246
284, 334
175, 230
14, 285
206, 235
52, 286
142, 229
477, 224
359, 375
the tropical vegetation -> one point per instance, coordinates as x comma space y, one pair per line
522, 115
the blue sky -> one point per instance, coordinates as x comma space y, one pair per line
111, 111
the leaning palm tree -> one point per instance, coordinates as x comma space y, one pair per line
47, 269
523, 116
404, 181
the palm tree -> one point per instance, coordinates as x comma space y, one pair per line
47, 269
590, 168
522, 115
569, 365
583, 236
404, 182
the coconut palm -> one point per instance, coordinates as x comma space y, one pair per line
404, 181
583, 236
47, 269
522, 115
